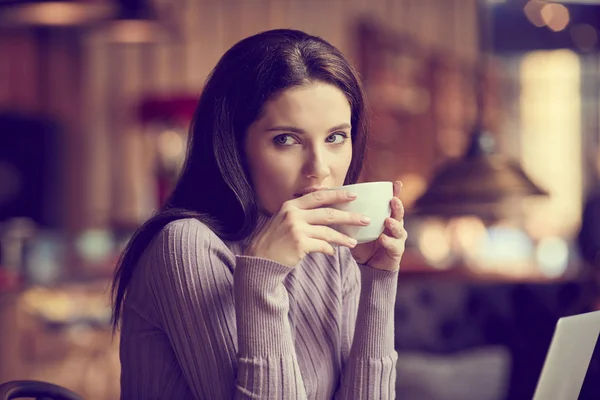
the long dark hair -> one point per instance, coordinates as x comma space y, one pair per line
248, 75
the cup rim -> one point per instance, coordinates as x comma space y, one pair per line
361, 184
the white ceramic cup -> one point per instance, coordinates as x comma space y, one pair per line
373, 200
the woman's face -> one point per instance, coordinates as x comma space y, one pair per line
300, 143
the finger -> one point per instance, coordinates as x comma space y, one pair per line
319, 246
331, 216
395, 228
323, 197
397, 188
397, 209
394, 247
330, 236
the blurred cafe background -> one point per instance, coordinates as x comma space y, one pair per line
488, 111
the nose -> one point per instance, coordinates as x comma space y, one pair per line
316, 166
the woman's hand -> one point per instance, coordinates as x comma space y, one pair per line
386, 252
302, 226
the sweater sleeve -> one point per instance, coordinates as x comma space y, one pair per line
368, 354
225, 316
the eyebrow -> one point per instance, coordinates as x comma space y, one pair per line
300, 131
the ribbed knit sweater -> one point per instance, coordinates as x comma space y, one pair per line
203, 321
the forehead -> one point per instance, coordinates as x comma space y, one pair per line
314, 104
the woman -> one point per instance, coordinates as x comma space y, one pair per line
239, 287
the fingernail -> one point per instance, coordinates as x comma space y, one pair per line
351, 195
352, 242
365, 220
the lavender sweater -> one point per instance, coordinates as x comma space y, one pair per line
201, 321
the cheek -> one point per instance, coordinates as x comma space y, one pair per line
269, 169
341, 163
271, 176
258, 165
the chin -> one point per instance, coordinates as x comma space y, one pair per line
273, 207
263, 212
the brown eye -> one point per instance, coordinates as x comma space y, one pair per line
283, 140
337, 138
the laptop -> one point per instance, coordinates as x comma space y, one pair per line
568, 357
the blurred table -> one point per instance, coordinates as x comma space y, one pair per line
60, 335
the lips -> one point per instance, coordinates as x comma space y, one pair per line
308, 190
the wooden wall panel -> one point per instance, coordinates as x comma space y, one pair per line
5, 56
254, 17
117, 77
24, 74
279, 16
211, 21
161, 79
197, 33
210, 27
97, 186
127, 139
